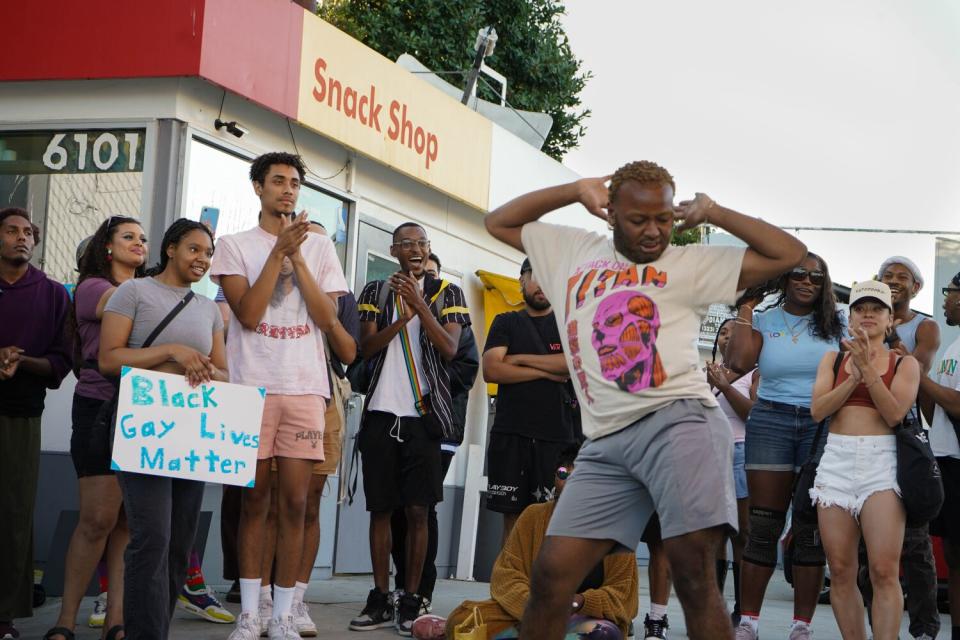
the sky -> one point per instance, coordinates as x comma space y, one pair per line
822, 114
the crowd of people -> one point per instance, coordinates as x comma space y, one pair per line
608, 431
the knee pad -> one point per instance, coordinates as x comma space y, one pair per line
766, 525
807, 547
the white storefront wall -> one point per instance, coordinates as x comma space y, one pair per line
374, 191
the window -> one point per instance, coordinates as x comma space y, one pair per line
70, 181
218, 190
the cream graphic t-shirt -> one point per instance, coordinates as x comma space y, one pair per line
629, 330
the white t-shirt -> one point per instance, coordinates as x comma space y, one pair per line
394, 394
285, 353
629, 330
943, 439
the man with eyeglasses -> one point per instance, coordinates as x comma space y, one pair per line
410, 331
940, 404
536, 410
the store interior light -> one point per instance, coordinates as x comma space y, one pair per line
232, 127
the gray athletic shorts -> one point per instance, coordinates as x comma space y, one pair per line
675, 462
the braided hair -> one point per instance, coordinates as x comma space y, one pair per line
174, 234
716, 339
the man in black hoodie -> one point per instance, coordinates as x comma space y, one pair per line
34, 356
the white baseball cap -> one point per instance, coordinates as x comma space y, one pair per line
871, 290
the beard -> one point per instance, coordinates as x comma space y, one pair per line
535, 304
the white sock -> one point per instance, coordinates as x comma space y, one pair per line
300, 590
282, 601
249, 595
797, 622
265, 594
657, 611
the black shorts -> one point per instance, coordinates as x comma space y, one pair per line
401, 463
652, 532
89, 443
520, 471
947, 523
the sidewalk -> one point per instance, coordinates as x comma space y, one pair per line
334, 602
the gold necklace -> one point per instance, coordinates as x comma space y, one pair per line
792, 330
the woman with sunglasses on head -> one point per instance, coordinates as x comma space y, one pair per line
162, 512
786, 341
855, 489
113, 255
736, 393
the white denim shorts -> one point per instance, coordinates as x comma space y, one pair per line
852, 469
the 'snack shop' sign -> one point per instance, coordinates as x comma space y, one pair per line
368, 103
165, 427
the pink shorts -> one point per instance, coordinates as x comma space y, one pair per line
292, 427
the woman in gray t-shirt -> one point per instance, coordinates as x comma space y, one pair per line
162, 513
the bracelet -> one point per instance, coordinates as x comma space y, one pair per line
743, 322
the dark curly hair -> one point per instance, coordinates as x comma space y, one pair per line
262, 164
827, 324
174, 234
642, 171
93, 263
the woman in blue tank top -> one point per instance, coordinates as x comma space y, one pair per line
786, 341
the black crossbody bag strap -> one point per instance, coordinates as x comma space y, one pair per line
168, 319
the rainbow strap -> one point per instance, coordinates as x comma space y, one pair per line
411, 365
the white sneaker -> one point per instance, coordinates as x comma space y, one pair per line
248, 628
800, 631
284, 629
99, 611
301, 618
745, 631
265, 612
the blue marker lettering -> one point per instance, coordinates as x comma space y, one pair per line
208, 400
147, 463
128, 432
141, 390
203, 427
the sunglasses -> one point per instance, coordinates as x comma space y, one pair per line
563, 473
800, 274
948, 290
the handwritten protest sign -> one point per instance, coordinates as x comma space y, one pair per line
165, 427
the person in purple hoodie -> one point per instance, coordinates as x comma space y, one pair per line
35, 355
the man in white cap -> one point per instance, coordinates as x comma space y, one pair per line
915, 335
919, 336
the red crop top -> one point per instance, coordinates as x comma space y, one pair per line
861, 395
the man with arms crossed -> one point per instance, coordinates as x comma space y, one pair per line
630, 311
282, 284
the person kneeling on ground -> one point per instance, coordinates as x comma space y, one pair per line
602, 608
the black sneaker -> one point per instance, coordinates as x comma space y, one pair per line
655, 629
378, 612
408, 610
233, 595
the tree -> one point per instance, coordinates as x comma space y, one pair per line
532, 51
